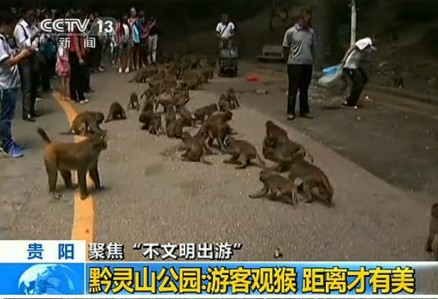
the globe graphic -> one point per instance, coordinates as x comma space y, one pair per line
48, 279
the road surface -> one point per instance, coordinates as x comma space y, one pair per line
152, 196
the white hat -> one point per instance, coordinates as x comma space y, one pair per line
365, 42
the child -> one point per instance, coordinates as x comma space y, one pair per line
63, 71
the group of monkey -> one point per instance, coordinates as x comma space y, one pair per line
169, 88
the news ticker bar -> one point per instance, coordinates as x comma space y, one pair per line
223, 279
78, 251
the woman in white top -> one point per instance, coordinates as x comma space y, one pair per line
353, 70
123, 41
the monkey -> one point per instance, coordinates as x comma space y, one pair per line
116, 112
133, 102
275, 134
140, 76
432, 239
169, 114
148, 105
151, 122
242, 153
206, 111
192, 79
398, 81
195, 148
156, 127
233, 103
186, 115
65, 157
86, 122
216, 128
311, 176
143, 73
174, 129
276, 188
223, 103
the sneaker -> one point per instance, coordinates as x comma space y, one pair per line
100, 69
84, 101
120, 70
127, 70
38, 100
20, 147
14, 152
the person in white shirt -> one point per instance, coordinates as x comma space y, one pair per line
26, 35
225, 30
353, 69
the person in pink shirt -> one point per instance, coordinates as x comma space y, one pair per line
135, 40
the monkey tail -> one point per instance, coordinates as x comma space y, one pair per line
44, 136
310, 156
261, 162
202, 159
328, 187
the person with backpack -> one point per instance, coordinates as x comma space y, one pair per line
225, 30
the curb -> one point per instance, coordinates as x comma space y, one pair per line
411, 95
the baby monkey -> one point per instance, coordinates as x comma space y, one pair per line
432, 239
116, 112
276, 188
86, 122
233, 103
242, 152
313, 181
195, 148
133, 104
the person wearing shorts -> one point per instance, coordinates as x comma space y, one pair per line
123, 44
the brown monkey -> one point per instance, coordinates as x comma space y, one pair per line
140, 76
223, 103
284, 154
148, 105
133, 102
275, 134
432, 239
186, 115
65, 157
398, 81
87, 122
310, 176
242, 153
151, 122
169, 113
116, 112
174, 129
276, 188
206, 111
216, 128
195, 148
233, 103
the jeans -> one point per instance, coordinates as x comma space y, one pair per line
300, 76
8, 100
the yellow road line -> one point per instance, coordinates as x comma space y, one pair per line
83, 217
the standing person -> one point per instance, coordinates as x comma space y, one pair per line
153, 33
78, 72
144, 26
135, 41
10, 84
26, 35
354, 71
299, 48
225, 31
63, 71
123, 44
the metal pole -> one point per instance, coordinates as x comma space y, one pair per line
353, 22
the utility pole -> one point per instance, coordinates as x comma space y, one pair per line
353, 22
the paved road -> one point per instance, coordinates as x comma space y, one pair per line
152, 196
